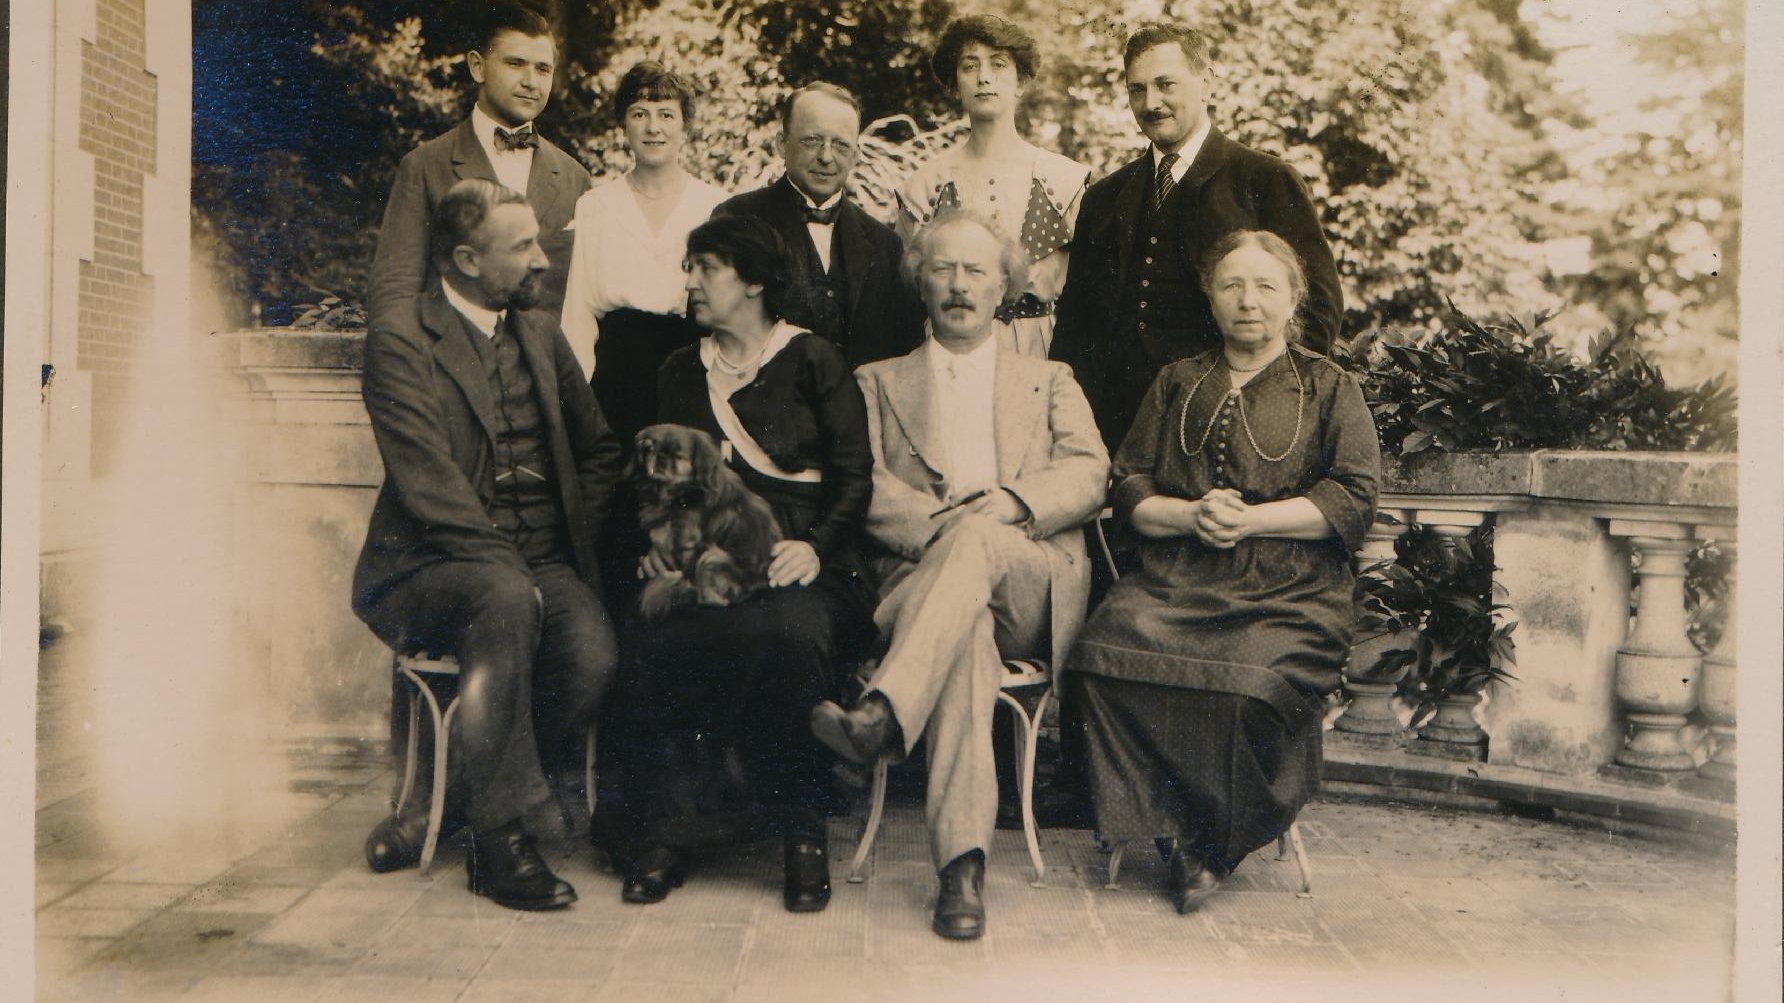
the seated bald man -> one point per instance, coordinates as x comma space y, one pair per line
986, 464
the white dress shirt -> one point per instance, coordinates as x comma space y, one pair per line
965, 385
1186, 156
820, 232
513, 167
481, 318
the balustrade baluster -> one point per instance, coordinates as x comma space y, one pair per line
1720, 678
1370, 712
1657, 665
1453, 732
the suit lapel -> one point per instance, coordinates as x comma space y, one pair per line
468, 158
1208, 162
857, 251
545, 185
908, 395
1017, 407
457, 357
537, 353
1130, 202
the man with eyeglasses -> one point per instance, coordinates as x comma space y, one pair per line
845, 262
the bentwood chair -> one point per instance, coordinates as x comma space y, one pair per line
1026, 689
422, 671
1291, 839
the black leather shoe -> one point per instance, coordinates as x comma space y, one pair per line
652, 875
807, 881
861, 735
395, 843
960, 906
505, 867
1191, 881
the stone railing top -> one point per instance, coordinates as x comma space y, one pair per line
299, 348
1706, 480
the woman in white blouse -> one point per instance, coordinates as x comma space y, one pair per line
625, 308
1030, 193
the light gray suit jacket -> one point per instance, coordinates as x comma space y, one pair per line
1049, 454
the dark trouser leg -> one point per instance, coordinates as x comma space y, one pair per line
572, 668
488, 617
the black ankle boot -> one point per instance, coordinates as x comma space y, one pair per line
960, 905
504, 866
807, 880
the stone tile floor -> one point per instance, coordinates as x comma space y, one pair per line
1408, 903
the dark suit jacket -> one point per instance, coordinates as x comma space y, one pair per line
401, 268
433, 416
1228, 187
883, 317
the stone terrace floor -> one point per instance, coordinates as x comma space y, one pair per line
1408, 903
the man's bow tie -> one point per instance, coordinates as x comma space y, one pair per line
825, 216
523, 138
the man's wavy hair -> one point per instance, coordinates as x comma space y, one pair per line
1010, 255
461, 212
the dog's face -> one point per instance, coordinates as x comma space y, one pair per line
675, 456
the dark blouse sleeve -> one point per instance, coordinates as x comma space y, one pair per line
1350, 461
1136, 462
847, 458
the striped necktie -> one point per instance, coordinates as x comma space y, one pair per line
1164, 182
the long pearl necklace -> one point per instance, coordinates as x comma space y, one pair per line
1183, 417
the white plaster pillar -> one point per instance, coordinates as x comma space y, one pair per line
1567, 583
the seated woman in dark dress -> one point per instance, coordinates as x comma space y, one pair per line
1250, 476
714, 702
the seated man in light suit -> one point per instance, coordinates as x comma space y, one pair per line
986, 463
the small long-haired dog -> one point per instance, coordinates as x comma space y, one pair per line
702, 521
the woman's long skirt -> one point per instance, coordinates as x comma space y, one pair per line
1220, 772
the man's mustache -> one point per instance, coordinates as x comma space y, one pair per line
1155, 116
957, 301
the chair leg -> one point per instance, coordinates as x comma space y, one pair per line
871, 829
1028, 733
1114, 882
414, 746
436, 813
588, 769
1294, 840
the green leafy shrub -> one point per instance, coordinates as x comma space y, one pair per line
1502, 385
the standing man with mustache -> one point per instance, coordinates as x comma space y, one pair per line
845, 262
498, 470
985, 465
513, 66
1131, 302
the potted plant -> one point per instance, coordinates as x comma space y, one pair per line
1452, 639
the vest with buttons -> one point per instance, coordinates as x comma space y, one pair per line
824, 311
1161, 283
526, 505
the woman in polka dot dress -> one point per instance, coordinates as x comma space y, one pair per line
1250, 476
1030, 193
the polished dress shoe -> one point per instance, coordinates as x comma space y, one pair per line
861, 735
652, 875
505, 867
807, 881
960, 906
1192, 882
395, 843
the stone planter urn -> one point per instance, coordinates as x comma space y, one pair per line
1452, 732
1370, 713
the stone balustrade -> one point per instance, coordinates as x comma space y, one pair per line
1577, 536
1597, 691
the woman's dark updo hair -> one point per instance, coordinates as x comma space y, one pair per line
652, 81
989, 30
756, 252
